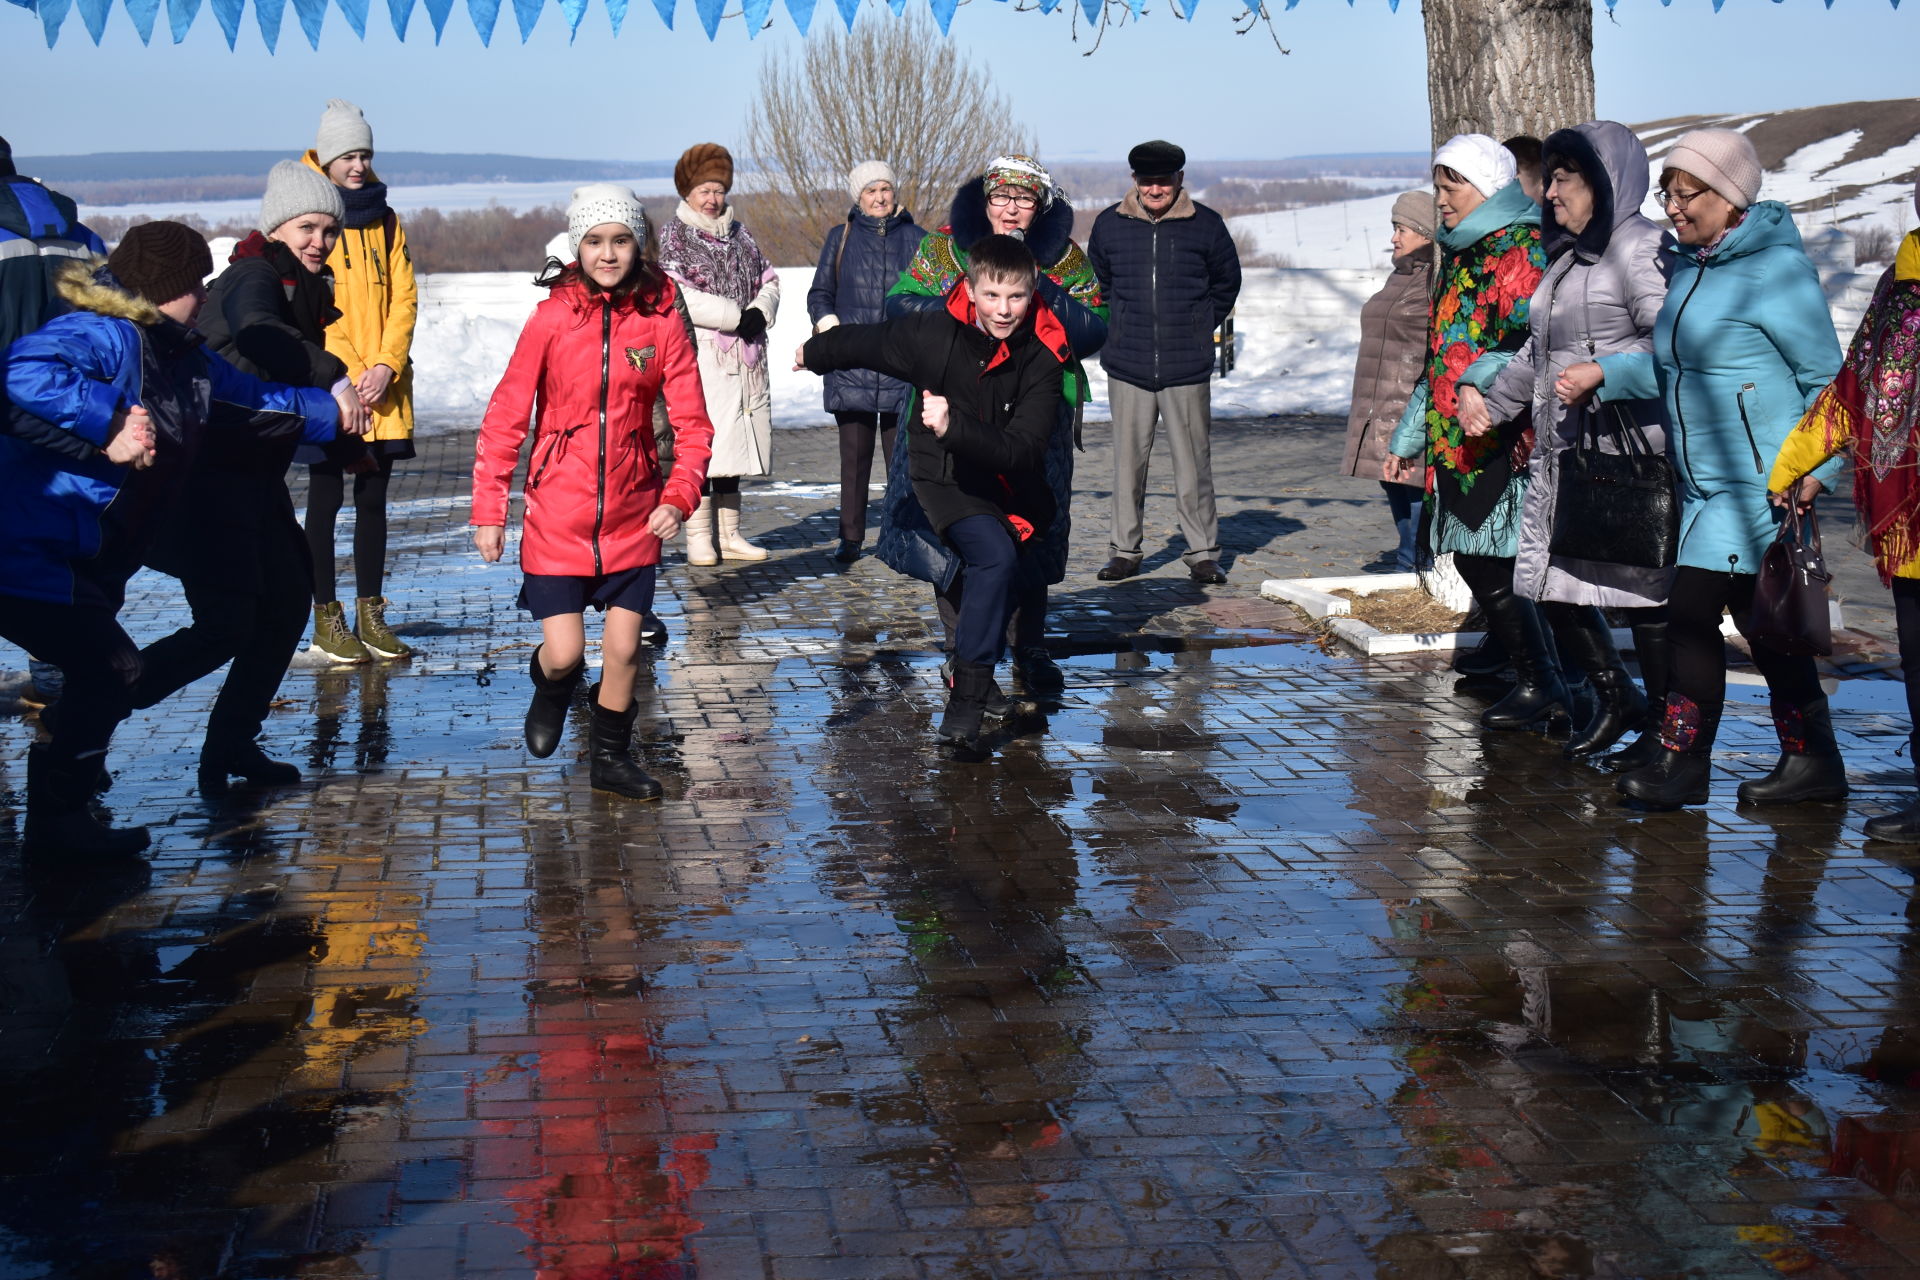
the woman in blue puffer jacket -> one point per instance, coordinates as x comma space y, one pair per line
125, 373
861, 259
1742, 347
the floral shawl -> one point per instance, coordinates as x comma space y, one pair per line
1872, 411
717, 256
1489, 267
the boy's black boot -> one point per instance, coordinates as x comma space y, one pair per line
547, 713
966, 704
59, 819
611, 753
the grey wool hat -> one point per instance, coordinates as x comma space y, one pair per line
343, 128
295, 187
1414, 210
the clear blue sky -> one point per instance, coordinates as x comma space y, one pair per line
1354, 81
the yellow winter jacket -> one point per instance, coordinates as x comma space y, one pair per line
1806, 445
373, 287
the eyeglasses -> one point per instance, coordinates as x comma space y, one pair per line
1018, 199
1681, 199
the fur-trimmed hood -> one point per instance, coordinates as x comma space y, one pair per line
88, 285
1049, 237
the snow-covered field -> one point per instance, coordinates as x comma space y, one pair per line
446, 198
1299, 336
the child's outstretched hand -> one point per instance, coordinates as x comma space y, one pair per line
933, 412
489, 540
665, 521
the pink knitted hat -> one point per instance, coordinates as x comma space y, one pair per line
1723, 159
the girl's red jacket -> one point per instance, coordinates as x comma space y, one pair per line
585, 373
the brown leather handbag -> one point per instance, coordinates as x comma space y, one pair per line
1790, 599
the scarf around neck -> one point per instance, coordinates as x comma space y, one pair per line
365, 205
1509, 206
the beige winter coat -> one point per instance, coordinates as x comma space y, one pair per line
735, 377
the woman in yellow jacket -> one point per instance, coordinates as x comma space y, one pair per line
1871, 412
374, 291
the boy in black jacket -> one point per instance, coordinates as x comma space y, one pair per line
986, 372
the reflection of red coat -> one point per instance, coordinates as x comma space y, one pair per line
586, 374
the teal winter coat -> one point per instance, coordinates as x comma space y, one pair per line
1742, 346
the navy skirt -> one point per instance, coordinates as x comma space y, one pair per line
547, 595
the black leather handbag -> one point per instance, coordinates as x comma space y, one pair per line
1790, 598
1618, 508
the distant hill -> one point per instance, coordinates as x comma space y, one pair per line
132, 177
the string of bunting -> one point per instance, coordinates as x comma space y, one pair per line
269, 15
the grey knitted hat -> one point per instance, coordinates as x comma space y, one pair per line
295, 187
1723, 159
1414, 210
342, 129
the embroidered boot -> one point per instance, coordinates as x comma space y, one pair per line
1682, 773
1810, 767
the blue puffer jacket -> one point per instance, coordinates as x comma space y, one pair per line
40, 231
851, 286
1743, 344
1169, 282
73, 532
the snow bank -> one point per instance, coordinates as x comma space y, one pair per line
1299, 335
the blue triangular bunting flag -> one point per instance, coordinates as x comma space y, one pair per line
484, 14
355, 12
94, 14
943, 14
665, 9
227, 14
267, 14
755, 12
710, 12
143, 13
1092, 9
313, 16
801, 11
437, 12
526, 13
573, 11
52, 14
180, 16
400, 13
850, 9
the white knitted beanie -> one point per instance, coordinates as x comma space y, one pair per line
868, 172
1479, 159
599, 202
295, 187
342, 129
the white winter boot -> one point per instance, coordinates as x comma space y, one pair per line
726, 511
699, 530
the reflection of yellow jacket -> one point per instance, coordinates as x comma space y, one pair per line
373, 287
1806, 446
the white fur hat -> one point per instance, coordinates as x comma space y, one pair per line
868, 172
342, 129
1479, 159
599, 202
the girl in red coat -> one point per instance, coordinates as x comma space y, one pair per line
586, 371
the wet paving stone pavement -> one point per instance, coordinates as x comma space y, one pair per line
1251, 961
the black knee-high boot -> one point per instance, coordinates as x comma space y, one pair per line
1650, 648
1581, 634
1538, 689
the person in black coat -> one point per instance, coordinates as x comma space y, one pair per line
861, 259
1171, 275
987, 369
232, 539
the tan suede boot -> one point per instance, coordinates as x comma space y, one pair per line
726, 511
699, 529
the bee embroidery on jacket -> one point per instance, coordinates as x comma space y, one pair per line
638, 357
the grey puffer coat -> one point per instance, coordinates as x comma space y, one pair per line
1600, 296
1393, 355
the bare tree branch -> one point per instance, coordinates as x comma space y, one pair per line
891, 89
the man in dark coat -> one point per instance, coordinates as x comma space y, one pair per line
1170, 273
987, 369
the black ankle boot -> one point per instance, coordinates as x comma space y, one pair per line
1902, 827
1538, 690
1622, 709
1810, 767
611, 755
59, 819
1674, 779
1038, 672
1488, 658
966, 705
547, 713
220, 762
997, 703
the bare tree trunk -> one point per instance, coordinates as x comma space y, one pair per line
1503, 67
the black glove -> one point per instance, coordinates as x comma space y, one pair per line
752, 326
